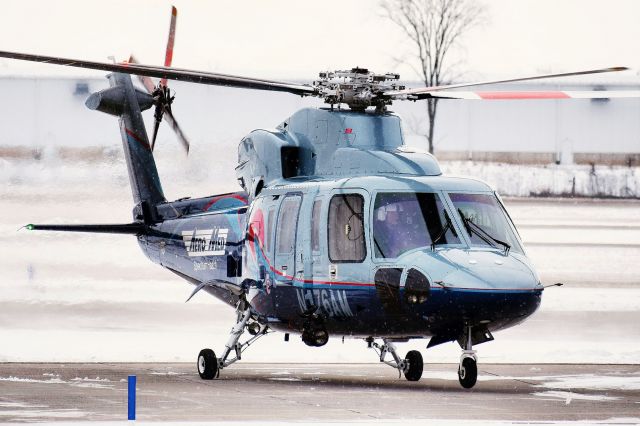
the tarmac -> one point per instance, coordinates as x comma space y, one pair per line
40, 392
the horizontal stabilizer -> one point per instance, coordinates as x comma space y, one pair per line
126, 228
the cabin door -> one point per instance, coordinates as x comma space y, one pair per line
285, 241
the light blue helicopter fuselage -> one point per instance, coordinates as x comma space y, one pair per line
311, 243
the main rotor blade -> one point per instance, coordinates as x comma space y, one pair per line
170, 42
201, 77
519, 95
146, 81
415, 93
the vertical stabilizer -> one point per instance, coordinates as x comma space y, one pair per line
126, 102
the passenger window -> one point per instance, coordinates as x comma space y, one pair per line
346, 228
268, 243
315, 225
287, 219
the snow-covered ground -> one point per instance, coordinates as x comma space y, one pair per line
552, 180
209, 169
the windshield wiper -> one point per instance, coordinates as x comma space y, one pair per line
378, 247
472, 227
443, 231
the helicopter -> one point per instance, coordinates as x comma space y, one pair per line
339, 229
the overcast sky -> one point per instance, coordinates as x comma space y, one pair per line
294, 39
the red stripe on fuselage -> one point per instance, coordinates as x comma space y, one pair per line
222, 197
136, 138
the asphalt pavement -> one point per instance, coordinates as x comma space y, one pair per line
317, 392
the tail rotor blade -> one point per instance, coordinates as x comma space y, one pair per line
161, 91
156, 123
171, 120
170, 42
168, 115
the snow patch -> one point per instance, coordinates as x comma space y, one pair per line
590, 381
551, 179
37, 414
5, 404
96, 383
56, 381
569, 396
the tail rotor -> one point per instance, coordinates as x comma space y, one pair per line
162, 95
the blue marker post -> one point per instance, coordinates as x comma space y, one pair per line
132, 398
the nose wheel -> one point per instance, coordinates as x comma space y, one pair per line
468, 368
468, 372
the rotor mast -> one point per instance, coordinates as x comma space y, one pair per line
359, 88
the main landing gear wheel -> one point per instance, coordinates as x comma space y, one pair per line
468, 372
411, 366
415, 365
207, 364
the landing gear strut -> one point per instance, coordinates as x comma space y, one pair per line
411, 366
208, 365
468, 368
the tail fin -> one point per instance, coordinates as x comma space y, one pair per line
126, 102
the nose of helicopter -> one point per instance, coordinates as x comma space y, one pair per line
490, 287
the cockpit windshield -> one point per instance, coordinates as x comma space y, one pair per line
486, 223
403, 221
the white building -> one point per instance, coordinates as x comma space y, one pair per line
44, 113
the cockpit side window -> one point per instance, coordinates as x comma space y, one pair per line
485, 221
404, 221
346, 228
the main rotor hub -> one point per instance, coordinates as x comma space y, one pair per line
358, 88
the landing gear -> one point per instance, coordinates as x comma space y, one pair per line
315, 337
208, 365
415, 366
468, 368
468, 372
314, 333
411, 366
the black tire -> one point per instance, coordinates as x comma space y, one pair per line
468, 373
416, 365
207, 364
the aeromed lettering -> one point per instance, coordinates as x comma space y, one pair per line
205, 242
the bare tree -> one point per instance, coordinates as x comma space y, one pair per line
434, 28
